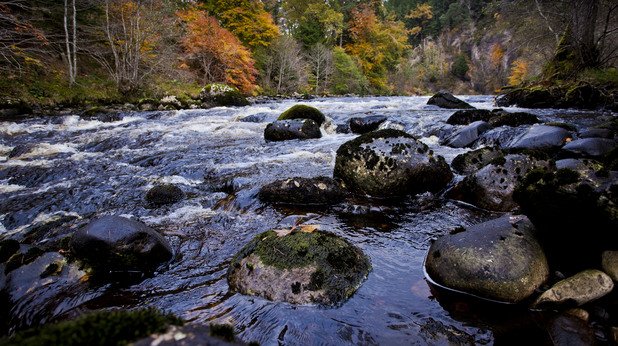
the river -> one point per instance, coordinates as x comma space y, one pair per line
78, 168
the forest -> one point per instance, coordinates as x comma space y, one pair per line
76, 51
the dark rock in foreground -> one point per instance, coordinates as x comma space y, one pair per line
590, 147
577, 290
303, 191
472, 161
498, 260
164, 194
284, 130
513, 119
299, 266
468, 116
464, 137
542, 137
113, 243
447, 100
390, 163
366, 124
303, 112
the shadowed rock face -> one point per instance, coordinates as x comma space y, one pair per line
465, 136
366, 124
472, 161
283, 130
390, 163
499, 260
164, 194
299, 267
115, 243
447, 100
303, 191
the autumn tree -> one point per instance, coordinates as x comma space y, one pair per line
283, 68
419, 18
246, 19
318, 24
20, 40
377, 44
320, 59
221, 57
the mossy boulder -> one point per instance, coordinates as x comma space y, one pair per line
164, 194
576, 213
299, 267
542, 137
222, 95
447, 100
114, 243
285, 130
366, 124
99, 328
390, 163
303, 191
468, 116
467, 135
492, 186
471, 161
499, 260
303, 112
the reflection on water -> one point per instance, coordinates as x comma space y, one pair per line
81, 168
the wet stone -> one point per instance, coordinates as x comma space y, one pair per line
390, 163
468, 116
512, 119
471, 161
464, 137
590, 147
497, 260
366, 124
541, 137
570, 330
189, 335
283, 130
303, 266
303, 191
577, 290
164, 194
596, 133
303, 112
113, 243
447, 100
609, 262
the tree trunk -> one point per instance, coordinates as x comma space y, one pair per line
583, 24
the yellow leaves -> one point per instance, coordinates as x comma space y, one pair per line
421, 11
519, 72
298, 228
496, 55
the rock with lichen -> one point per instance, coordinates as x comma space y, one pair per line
577, 290
390, 163
299, 266
303, 191
284, 130
472, 161
303, 112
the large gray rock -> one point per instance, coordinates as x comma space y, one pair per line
498, 260
303, 191
590, 147
541, 137
469, 134
492, 186
366, 124
114, 243
390, 163
283, 130
578, 289
447, 100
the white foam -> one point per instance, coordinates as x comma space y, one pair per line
10, 188
46, 149
186, 213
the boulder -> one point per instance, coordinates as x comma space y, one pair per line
303, 191
471, 161
390, 163
577, 290
447, 100
114, 243
164, 194
366, 124
222, 95
497, 260
541, 137
512, 119
590, 147
527, 98
464, 137
609, 262
299, 266
596, 133
303, 112
575, 211
492, 186
467, 116
284, 130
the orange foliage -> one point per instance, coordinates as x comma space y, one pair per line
497, 54
219, 54
519, 72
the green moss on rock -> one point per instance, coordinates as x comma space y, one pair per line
99, 328
303, 112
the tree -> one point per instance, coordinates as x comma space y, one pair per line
460, 67
220, 55
71, 39
419, 17
320, 60
347, 75
20, 40
318, 24
283, 67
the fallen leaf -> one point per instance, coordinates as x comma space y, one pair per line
309, 228
282, 232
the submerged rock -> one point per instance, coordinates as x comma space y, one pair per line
299, 267
447, 100
283, 130
114, 243
390, 163
303, 191
498, 260
366, 124
492, 186
471, 161
164, 194
303, 112
590, 147
578, 289
542, 137
466, 136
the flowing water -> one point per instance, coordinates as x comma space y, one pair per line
74, 168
